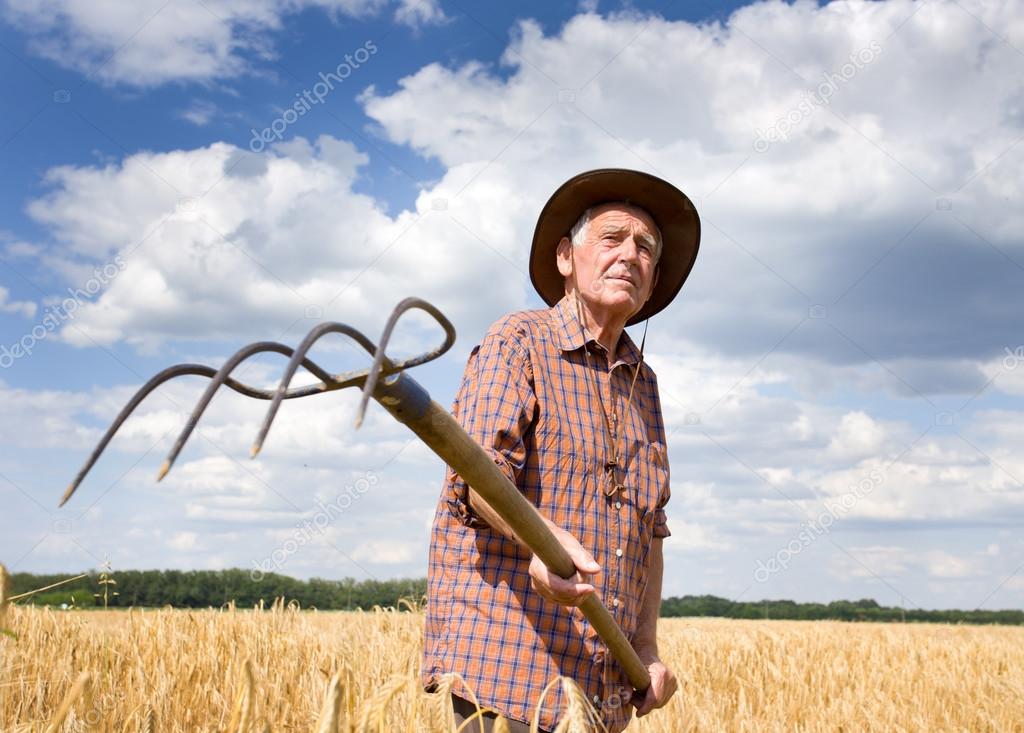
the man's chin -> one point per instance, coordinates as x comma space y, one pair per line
626, 306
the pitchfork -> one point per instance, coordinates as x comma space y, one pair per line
399, 394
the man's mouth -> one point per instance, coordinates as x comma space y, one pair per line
625, 278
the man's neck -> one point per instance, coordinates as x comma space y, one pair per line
602, 327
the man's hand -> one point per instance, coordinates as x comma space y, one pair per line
571, 591
663, 686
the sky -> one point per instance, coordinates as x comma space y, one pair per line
842, 376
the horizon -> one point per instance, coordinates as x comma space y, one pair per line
90, 573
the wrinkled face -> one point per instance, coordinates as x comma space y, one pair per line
616, 264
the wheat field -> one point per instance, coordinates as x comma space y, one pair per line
285, 669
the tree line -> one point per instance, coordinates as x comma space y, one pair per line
863, 610
214, 588
205, 588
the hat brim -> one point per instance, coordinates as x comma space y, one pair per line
670, 208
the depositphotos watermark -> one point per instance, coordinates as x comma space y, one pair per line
1014, 357
820, 96
308, 98
820, 525
61, 312
317, 525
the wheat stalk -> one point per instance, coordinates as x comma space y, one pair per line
5, 599
77, 690
373, 713
329, 713
242, 714
47, 587
5, 591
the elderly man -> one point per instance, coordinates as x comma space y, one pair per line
564, 403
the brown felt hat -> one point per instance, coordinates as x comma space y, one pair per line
670, 208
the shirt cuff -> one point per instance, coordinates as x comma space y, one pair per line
458, 503
661, 524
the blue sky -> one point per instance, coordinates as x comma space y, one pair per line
854, 312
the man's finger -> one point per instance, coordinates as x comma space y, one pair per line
583, 560
568, 590
644, 703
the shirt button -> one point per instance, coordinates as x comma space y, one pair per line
618, 552
615, 602
597, 699
618, 505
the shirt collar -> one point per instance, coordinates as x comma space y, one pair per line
570, 334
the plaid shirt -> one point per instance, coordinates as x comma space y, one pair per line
527, 399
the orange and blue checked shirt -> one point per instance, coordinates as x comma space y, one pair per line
526, 397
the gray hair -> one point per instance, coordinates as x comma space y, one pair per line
578, 233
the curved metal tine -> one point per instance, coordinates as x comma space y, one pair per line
379, 358
221, 376
179, 370
442, 320
184, 370
316, 333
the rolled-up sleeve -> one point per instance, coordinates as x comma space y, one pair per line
496, 405
664, 490
661, 522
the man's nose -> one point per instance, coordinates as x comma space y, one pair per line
629, 250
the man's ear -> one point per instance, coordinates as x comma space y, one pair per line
563, 256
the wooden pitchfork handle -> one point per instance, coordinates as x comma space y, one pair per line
388, 383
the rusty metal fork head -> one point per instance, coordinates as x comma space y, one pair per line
366, 379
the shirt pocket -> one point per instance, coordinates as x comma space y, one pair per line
651, 485
572, 499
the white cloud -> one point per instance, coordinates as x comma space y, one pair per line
688, 536
152, 42
896, 564
200, 112
416, 13
284, 229
183, 541
51, 413
1007, 372
380, 552
23, 307
872, 561
16, 248
941, 564
858, 436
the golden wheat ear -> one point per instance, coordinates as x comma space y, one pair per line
5, 589
5, 596
148, 721
242, 714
